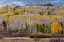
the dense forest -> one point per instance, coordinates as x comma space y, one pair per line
35, 18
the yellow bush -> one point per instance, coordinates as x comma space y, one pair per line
56, 27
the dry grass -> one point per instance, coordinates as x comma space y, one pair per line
47, 36
41, 36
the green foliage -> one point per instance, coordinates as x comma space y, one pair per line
40, 28
43, 28
16, 12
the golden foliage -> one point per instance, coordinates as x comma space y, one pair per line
9, 18
3, 11
62, 11
56, 27
53, 18
35, 22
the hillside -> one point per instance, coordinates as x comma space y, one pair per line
46, 18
